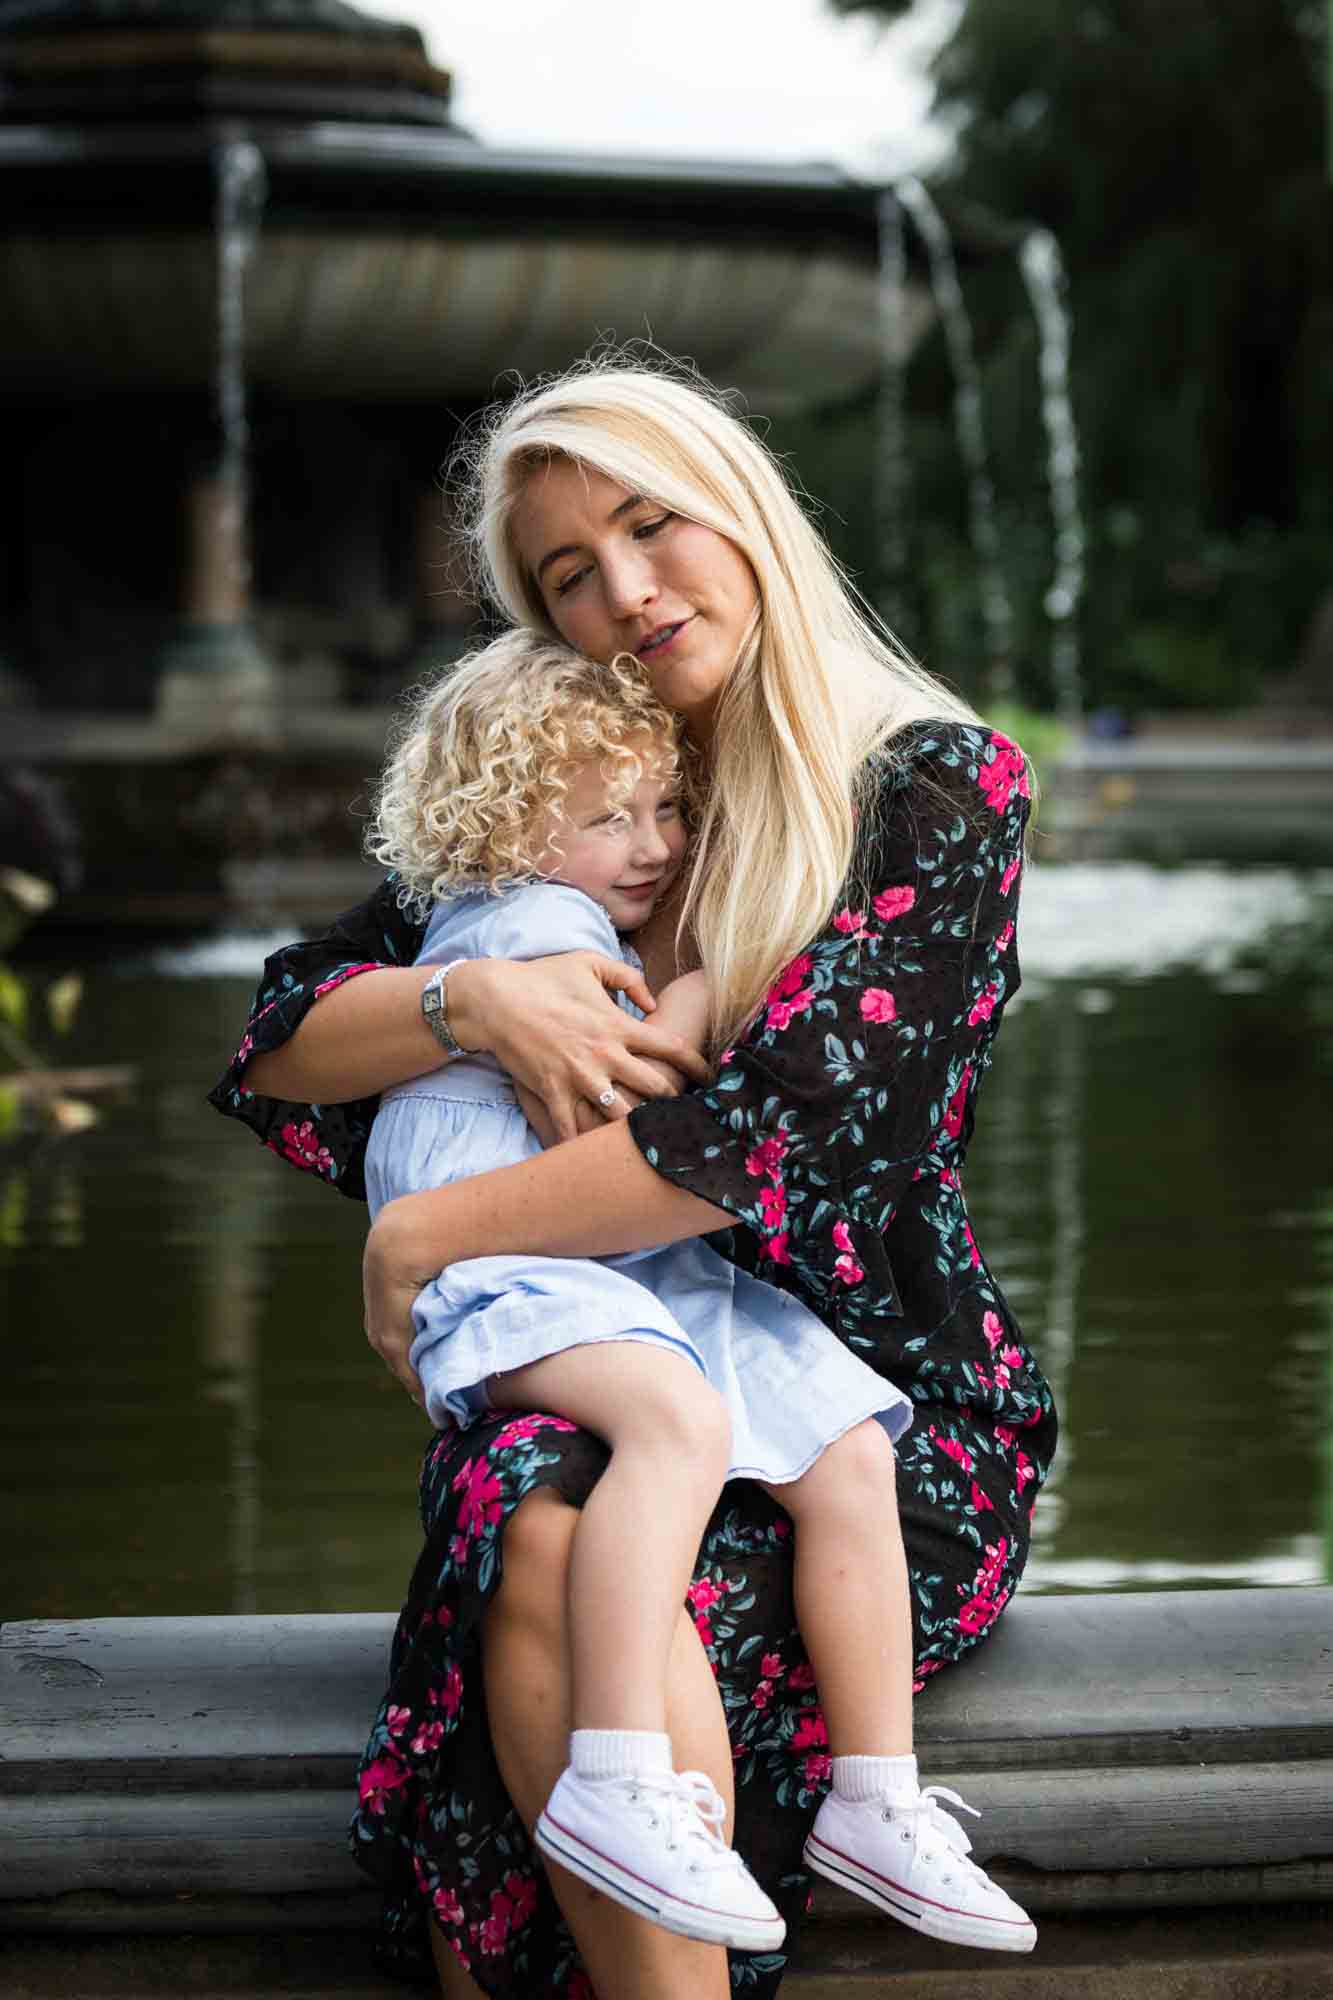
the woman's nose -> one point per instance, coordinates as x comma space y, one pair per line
630, 583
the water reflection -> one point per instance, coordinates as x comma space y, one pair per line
195, 1424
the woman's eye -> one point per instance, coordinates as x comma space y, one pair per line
567, 583
669, 809
647, 529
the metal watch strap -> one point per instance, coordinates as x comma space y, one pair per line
435, 1009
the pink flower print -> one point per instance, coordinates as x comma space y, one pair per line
847, 1271
1006, 937
978, 1614
891, 903
783, 1012
480, 1507
923, 1673
984, 1004
770, 1666
428, 1737
522, 1893
986, 1381
1011, 1357
491, 1937
1003, 1436
762, 1695
460, 1954
775, 1247
528, 1427
344, 972
1007, 879
802, 1676
702, 1595
301, 1145
817, 1769
766, 1157
971, 1242
955, 1449
991, 1327
244, 1052
447, 1906
982, 1503
953, 1111
877, 1004
380, 1780
450, 1695
852, 923
397, 1719
773, 1202
789, 980
1024, 1470
810, 1733
1002, 1377
1004, 775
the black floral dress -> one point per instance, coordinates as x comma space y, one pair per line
835, 1132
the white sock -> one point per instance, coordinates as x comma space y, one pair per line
618, 1753
860, 1779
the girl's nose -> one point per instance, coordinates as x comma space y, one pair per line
650, 845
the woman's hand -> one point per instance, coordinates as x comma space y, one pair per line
552, 1025
396, 1264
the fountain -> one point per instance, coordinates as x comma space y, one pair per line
250, 261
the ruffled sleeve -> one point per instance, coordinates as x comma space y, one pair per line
861, 1065
328, 1140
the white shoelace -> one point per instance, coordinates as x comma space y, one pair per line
926, 1816
694, 1811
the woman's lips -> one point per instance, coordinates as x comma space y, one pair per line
657, 642
641, 889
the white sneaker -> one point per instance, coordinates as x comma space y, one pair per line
911, 1861
654, 1843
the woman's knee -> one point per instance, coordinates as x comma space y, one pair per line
535, 1548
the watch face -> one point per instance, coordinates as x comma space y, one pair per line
430, 1000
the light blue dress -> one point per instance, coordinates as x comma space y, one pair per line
790, 1384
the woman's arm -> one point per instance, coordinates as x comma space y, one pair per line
593, 1198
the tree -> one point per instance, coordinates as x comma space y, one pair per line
1177, 152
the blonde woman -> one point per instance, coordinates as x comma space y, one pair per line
852, 892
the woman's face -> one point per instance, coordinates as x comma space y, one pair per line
621, 574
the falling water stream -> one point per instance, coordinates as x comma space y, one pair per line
997, 611
1043, 273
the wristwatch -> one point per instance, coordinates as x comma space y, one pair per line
435, 1010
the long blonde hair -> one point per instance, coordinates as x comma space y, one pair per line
818, 685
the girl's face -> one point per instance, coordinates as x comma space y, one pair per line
625, 856
621, 574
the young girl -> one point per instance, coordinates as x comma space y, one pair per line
534, 805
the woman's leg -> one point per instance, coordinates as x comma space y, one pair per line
852, 1598
639, 1531
525, 1661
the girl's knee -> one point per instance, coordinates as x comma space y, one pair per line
682, 1414
856, 1474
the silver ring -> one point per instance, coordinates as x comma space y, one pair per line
606, 1098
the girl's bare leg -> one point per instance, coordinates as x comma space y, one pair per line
852, 1600
638, 1534
525, 1661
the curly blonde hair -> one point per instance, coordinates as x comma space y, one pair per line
485, 753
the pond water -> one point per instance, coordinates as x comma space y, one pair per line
193, 1422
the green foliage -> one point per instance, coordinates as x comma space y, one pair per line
1178, 155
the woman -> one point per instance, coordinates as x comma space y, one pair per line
852, 895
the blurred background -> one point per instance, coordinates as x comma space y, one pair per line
1036, 302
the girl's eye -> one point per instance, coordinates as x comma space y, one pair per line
567, 583
669, 809
647, 529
